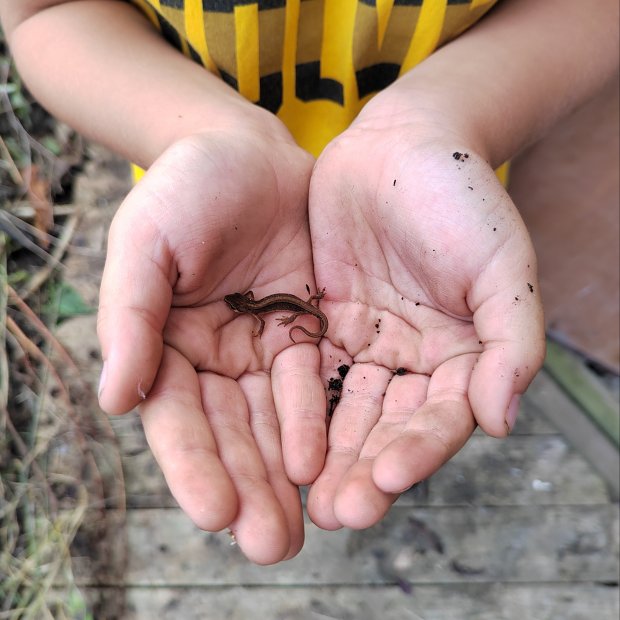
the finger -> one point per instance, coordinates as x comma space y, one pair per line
184, 446
300, 402
359, 502
320, 501
510, 325
405, 394
266, 432
260, 526
353, 419
135, 298
433, 434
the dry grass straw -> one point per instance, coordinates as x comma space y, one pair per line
42, 503
59, 466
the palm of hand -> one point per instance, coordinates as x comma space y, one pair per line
192, 231
429, 274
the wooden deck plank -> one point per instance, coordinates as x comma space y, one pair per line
427, 602
518, 544
516, 471
578, 430
580, 384
521, 470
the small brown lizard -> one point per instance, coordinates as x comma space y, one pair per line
245, 303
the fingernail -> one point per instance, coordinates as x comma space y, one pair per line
512, 413
102, 379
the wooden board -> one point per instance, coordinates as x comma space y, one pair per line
426, 602
523, 469
518, 544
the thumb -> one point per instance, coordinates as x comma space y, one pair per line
134, 302
510, 325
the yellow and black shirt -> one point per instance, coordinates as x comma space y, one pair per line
314, 63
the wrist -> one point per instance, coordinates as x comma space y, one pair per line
422, 111
229, 115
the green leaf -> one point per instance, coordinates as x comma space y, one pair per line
52, 145
8, 88
15, 278
65, 302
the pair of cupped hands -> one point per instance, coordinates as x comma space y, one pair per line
427, 268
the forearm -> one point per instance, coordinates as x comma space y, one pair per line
101, 67
503, 83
